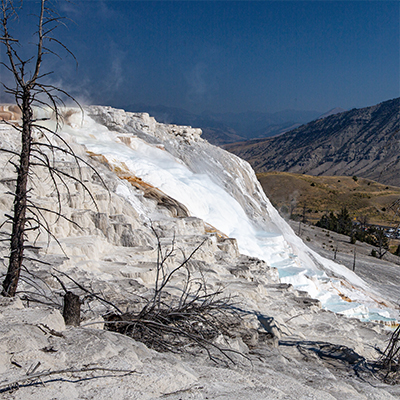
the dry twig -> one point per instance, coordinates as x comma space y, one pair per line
6, 386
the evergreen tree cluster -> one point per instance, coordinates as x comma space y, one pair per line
340, 223
373, 235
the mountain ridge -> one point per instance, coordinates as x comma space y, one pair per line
229, 127
364, 142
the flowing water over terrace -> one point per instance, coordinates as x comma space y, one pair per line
215, 205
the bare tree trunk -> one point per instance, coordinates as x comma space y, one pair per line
31, 89
18, 225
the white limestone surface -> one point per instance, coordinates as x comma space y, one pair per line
313, 354
221, 189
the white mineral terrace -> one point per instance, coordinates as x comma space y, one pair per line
208, 200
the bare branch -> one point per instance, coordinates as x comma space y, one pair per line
9, 385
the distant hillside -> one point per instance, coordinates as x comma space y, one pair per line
363, 142
290, 193
223, 128
333, 111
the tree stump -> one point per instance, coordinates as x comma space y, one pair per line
72, 309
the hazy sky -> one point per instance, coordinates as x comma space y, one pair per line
230, 55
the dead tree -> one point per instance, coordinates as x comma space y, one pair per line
31, 90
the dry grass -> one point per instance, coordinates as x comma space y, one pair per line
363, 197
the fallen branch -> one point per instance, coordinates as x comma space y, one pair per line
11, 385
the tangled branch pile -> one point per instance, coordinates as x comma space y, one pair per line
195, 317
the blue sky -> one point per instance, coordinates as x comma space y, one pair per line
230, 56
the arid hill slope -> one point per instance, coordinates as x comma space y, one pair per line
363, 142
362, 197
